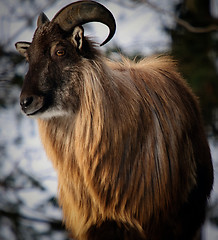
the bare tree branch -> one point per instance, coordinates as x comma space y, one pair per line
185, 24
56, 224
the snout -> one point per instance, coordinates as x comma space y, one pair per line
32, 104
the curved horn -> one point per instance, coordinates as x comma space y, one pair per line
82, 12
42, 19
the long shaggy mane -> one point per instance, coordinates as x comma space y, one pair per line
129, 150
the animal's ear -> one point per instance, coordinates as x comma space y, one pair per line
42, 19
22, 48
78, 37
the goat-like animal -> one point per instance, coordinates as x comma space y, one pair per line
126, 138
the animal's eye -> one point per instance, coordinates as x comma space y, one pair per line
60, 52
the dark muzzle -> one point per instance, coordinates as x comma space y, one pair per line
30, 105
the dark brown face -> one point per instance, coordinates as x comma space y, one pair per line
56, 56
52, 84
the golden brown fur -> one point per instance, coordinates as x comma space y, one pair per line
133, 151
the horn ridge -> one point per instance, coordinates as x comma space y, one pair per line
81, 12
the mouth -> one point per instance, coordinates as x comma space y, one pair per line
33, 113
48, 113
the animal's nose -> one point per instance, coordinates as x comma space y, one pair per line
31, 104
25, 102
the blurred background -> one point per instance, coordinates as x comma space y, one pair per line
186, 29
